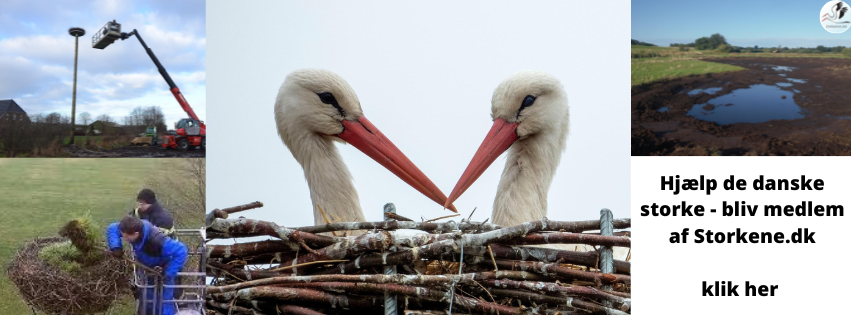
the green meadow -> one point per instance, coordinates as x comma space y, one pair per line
37, 196
654, 63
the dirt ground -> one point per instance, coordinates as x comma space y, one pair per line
824, 99
135, 151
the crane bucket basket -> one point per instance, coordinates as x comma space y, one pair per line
106, 35
189, 287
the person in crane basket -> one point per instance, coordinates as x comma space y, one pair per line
147, 208
152, 249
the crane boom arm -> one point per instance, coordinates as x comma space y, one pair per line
172, 87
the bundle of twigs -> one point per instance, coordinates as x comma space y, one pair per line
467, 267
52, 290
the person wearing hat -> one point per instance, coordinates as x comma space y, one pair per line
147, 208
152, 249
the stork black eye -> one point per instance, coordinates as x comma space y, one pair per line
528, 101
328, 98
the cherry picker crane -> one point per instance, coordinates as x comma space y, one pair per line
188, 132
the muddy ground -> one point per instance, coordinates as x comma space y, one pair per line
134, 151
825, 100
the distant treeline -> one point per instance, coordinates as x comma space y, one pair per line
638, 42
719, 43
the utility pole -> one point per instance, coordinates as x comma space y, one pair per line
76, 32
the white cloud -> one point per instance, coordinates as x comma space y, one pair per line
43, 48
108, 7
37, 55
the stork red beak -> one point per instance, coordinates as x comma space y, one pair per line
499, 138
364, 136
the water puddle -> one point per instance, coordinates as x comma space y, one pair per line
782, 68
797, 80
663, 109
784, 84
782, 74
758, 103
707, 91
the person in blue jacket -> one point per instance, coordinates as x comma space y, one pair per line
152, 249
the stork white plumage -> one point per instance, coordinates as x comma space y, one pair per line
316, 108
531, 121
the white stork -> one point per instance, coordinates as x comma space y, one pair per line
836, 13
531, 121
316, 108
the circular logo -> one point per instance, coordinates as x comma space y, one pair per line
834, 16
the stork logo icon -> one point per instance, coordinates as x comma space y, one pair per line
834, 16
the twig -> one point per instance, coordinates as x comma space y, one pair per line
244, 207
308, 263
394, 216
301, 242
490, 251
444, 217
325, 217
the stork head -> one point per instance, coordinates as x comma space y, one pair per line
527, 105
319, 103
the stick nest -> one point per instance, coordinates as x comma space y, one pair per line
52, 290
469, 267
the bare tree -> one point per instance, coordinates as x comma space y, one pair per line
136, 117
153, 116
85, 118
180, 185
37, 135
15, 136
142, 117
53, 118
104, 118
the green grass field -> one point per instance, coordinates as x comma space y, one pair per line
37, 196
654, 63
651, 64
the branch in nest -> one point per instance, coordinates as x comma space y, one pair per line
549, 287
553, 269
412, 291
242, 227
420, 280
570, 238
347, 247
442, 227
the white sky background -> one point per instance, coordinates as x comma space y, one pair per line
37, 56
424, 74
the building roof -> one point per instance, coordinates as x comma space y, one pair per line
11, 107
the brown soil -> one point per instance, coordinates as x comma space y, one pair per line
135, 151
825, 98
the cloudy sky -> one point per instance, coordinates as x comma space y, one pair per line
424, 74
37, 56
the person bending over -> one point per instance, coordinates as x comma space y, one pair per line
152, 249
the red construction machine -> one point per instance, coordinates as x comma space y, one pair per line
188, 132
